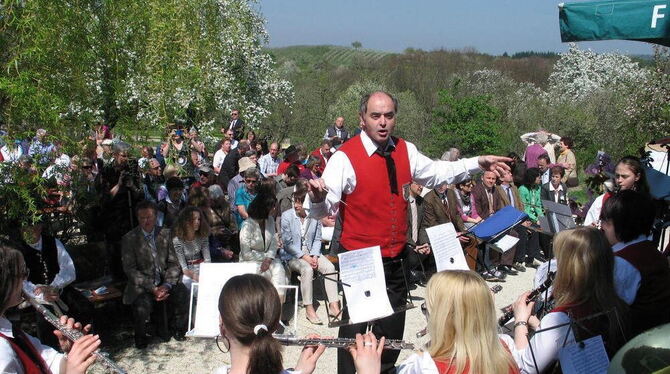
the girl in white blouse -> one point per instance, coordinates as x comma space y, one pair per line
191, 243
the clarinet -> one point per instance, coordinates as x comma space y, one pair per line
508, 311
342, 343
74, 335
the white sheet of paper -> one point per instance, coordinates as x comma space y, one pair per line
367, 298
446, 247
587, 357
212, 279
505, 243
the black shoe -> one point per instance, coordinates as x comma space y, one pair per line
491, 277
179, 336
141, 342
540, 258
531, 265
507, 269
519, 267
417, 278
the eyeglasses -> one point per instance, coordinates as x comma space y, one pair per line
156, 168
249, 181
87, 167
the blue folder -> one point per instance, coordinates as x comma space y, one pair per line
500, 221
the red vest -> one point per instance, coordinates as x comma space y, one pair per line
27, 359
372, 214
651, 306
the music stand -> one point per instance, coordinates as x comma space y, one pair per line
332, 322
496, 226
571, 324
559, 217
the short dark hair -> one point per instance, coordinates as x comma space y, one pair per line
292, 171
174, 183
630, 212
299, 195
531, 175
261, 205
363, 108
557, 170
544, 157
146, 204
568, 141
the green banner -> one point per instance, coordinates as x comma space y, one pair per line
641, 20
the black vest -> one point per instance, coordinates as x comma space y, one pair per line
43, 265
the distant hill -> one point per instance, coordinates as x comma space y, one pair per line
308, 56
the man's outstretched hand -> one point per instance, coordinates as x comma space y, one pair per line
496, 164
317, 190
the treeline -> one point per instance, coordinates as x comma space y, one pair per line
480, 102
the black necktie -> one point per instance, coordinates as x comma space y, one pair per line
390, 169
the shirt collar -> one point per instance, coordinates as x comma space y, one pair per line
37, 245
148, 233
6, 327
370, 146
621, 245
551, 187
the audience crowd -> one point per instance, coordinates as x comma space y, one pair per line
164, 209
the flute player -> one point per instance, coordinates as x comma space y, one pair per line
21, 353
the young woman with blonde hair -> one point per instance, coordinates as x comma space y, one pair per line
583, 287
463, 331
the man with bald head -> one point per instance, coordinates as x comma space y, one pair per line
369, 173
337, 130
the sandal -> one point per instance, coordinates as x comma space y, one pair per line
314, 320
335, 317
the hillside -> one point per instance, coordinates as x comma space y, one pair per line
308, 56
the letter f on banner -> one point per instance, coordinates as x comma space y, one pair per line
656, 15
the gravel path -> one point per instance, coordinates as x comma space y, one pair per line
202, 356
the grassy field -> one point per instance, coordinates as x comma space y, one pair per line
307, 56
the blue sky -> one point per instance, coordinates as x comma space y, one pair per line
493, 26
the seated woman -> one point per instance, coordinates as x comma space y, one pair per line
301, 236
628, 175
245, 194
641, 272
463, 331
258, 242
21, 353
464, 199
249, 310
584, 286
191, 243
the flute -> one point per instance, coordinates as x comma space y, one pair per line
343, 343
74, 335
508, 311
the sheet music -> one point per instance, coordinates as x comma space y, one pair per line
446, 247
212, 278
586, 357
505, 243
367, 298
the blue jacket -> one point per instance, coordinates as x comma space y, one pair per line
291, 239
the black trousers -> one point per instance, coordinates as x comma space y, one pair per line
391, 327
176, 312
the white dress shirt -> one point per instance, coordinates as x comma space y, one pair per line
627, 278
593, 215
545, 345
66, 274
340, 177
9, 360
219, 156
556, 195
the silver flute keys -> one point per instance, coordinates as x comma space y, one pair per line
338, 342
74, 335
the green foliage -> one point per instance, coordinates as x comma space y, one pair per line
469, 123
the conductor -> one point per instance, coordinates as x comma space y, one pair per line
369, 173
